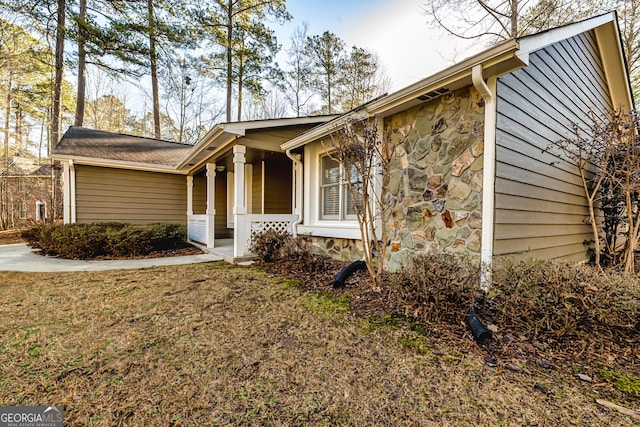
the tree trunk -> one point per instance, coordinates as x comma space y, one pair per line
229, 57
59, 74
153, 57
44, 119
82, 65
4, 201
329, 94
240, 76
514, 19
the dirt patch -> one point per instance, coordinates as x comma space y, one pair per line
213, 344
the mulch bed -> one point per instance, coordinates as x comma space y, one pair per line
508, 349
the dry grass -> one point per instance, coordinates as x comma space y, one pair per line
11, 236
212, 344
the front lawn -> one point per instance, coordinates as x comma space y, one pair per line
213, 344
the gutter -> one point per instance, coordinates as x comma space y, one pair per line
118, 164
298, 191
488, 92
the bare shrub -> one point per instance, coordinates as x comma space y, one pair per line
563, 301
280, 246
268, 244
440, 286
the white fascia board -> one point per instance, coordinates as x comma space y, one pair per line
118, 164
321, 131
488, 58
534, 42
213, 135
242, 127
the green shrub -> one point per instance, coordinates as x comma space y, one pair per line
440, 286
559, 300
87, 241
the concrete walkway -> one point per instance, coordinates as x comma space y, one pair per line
20, 257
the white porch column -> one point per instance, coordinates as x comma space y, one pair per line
66, 193
239, 207
189, 195
69, 192
211, 203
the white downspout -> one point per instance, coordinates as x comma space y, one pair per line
297, 190
488, 92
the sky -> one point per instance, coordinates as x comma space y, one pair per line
395, 29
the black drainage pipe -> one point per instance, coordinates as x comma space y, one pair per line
348, 270
481, 334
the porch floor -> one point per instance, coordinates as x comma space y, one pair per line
223, 248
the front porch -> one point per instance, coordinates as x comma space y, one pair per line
246, 227
237, 195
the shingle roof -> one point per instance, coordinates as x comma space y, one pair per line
89, 143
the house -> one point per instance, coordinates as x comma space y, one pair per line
470, 171
233, 183
26, 192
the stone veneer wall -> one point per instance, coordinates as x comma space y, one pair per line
434, 198
341, 249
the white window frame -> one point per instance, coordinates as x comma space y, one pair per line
313, 224
344, 196
40, 210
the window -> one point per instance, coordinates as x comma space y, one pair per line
22, 211
41, 211
336, 200
21, 186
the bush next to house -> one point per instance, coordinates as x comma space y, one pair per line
86, 241
539, 300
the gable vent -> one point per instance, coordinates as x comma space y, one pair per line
433, 94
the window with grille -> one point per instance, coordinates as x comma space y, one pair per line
336, 199
22, 210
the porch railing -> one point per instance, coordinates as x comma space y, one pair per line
255, 224
247, 226
197, 228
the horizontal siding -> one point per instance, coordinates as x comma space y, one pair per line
105, 194
221, 230
278, 186
540, 203
256, 188
200, 194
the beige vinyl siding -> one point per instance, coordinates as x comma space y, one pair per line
200, 194
221, 230
256, 188
540, 204
278, 186
200, 201
105, 194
